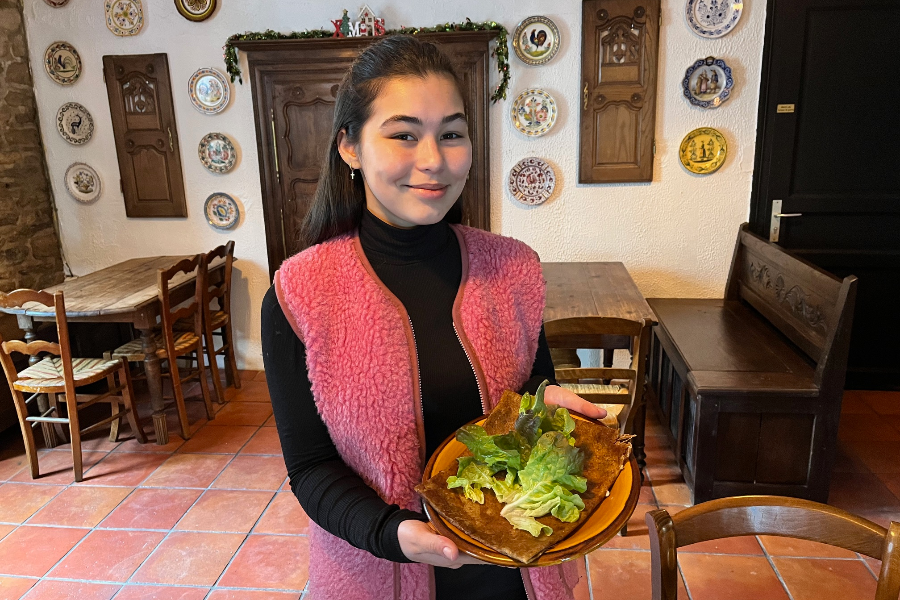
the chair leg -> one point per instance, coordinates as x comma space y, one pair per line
179, 397
228, 338
204, 385
128, 398
61, 433
214, 365
27, 433
75, 436
113, 404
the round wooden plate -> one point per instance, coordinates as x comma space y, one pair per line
598, 528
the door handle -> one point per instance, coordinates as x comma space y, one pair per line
275, 145
585, 94
784, 215
775, 221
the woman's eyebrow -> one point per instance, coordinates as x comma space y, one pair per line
416, 121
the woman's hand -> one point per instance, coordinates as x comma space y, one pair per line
421, 544
554, 394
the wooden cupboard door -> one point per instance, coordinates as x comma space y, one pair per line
620, 44
143, 118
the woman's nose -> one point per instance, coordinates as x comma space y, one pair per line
429, 157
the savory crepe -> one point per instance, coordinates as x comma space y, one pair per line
605, 453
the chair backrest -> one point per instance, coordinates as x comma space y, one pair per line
220, 290
769, 515
18, 299
167, 279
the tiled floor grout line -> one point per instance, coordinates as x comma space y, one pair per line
684, 581
587, 571
775, 569
868, 566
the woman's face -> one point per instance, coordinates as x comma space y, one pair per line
414, 151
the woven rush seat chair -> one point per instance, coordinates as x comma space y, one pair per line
60, 373
619, 391
171, 344
217, 322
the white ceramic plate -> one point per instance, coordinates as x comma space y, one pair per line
74, 123
209, 91
713, 18
534, 112
531, 181
124, 17
536, 40
217, 153
62, 63
82, 182
707, 83
221, 211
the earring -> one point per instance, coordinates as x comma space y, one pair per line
352, 173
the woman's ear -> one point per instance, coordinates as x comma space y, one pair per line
347, 150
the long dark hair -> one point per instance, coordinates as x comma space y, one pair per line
339, 201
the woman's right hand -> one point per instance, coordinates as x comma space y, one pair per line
420, 543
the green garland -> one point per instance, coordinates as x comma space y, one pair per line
501, 51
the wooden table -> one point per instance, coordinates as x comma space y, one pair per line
598, 289
123, 293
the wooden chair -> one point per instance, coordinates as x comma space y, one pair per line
62, 374
769, 515
217, 321
173, 344
619, 391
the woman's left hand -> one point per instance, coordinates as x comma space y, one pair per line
554, 394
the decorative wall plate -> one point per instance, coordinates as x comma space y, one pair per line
221, 211
74, 123
707, 83
534, 112
209, 91
712, 18
536, 40
62, 63
531, 181
703, 150
196, 10
124, 17
56, 3
217, 153
82, 182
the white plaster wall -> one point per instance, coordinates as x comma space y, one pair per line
675, 234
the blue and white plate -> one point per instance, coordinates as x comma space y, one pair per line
713, 18
707, 83
221, 211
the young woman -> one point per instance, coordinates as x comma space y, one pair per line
393, 329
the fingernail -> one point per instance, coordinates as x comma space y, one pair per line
448, 554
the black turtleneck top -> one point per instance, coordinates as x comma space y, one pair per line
422, 266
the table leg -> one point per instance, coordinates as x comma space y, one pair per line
26, 324
639, 423
154, 386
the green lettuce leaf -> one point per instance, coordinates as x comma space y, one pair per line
498, 452
472, 476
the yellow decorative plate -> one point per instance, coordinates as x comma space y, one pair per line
703, 151
600, 526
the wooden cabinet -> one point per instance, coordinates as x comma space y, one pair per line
619, 55
143, 118
295, 84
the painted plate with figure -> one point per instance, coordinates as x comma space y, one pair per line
209, 91
124, 17
57, 3
707, 83
221, 211
703, 151
531, 181
534, 112
74, 123
62, 63
217, 153
196, 10
536, 40
82, 182
713, 18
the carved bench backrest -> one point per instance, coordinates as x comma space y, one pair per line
805, 303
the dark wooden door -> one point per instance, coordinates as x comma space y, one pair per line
143, 119
827, 149
294, 89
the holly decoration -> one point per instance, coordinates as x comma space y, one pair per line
501, 51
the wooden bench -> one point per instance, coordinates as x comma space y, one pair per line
749, 387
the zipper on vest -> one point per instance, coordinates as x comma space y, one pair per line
418, 371
472, 365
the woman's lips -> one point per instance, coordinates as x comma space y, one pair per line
429, 192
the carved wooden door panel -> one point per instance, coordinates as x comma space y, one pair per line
143, 118
620, 43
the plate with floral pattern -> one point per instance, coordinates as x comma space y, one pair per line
534, 112
221, 211
713, 18
531, 181
707, 83
217, 153
82, 182
209, 91
196, 10
536, 40
62, 63
124, 17
74, 123
703, 151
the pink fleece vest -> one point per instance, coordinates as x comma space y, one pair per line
362, 363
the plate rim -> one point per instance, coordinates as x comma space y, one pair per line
555, 557
226, 96
510, 178
723, 95
534, 91
96, 175
700, 31
118, 31
205, 160
50, 72
179, 5
237, 210
524, 23
62, 131
685, 139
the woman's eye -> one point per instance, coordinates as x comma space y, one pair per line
452, 135
405, 137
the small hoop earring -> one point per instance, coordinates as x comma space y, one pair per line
352, 173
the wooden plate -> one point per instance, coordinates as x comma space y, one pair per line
598, 528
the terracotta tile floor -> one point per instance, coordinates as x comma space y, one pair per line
213, 518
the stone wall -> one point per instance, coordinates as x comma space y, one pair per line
29, 245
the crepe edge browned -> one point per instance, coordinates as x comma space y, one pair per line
525, 548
